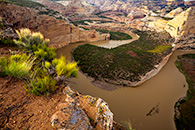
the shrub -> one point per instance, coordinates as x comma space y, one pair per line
18, 66
8, 42
42, 80
46, 53
41, 85
35, 43
30, 40
66, 69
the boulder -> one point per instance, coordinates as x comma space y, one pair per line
70, 116
96, 109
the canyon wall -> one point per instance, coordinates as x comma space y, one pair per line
75, 112
60, 32
181, 25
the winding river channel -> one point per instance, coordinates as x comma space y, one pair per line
149, 106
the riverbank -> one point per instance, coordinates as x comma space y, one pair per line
184, 107
128, 65
110, 87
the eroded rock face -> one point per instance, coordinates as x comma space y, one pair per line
70, 116
53, 5
174, 12
95, 108
6, 31
60, 32
182, 24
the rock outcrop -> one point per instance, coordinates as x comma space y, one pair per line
70, 116
6, 30
182, 24
96, 109
60, 32
175, 2
174, 12
53, 5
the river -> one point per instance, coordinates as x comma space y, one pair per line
149, 106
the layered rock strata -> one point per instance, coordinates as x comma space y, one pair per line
181, 25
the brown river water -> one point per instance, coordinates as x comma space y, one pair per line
149, 106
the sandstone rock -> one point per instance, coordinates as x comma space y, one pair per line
174, 12
159, 24
78, 7
70, 116
60, 32
53, 5
95, 108
175, 2
181, 24
186, 42
6, 31
136, 14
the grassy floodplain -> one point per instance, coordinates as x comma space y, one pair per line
127, 62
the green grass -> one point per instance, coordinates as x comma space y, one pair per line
116, 35
42, 85
160, 49
126, 62
18, 66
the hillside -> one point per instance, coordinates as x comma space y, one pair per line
60, 32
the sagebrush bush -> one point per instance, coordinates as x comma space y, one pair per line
41, 85
67, 69
45, 52
40, 72
19, 66
35, 43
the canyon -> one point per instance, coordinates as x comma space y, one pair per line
60, 32
113, 15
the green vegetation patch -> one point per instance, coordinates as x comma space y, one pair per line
185, 64
126, 62
116, 35
160, 49
37, 67
7, 41
27, 3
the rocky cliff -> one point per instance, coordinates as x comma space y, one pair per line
60, 32
181, 25
78, 108
174, 12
